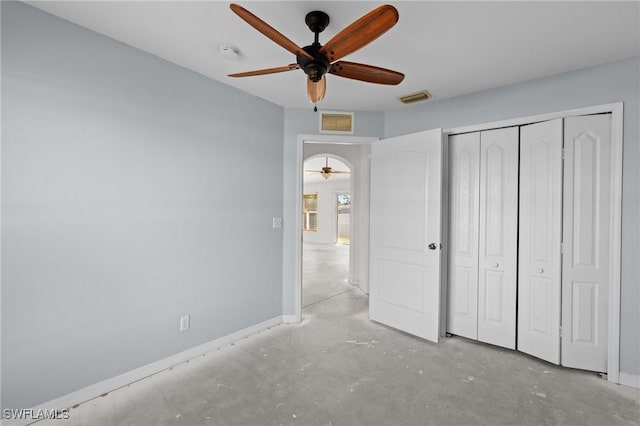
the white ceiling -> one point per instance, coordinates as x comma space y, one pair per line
448, 48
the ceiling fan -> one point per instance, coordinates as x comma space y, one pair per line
316, 60
327, 171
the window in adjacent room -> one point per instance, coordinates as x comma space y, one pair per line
310, 212
344, 213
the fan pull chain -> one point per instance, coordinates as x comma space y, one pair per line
315, 108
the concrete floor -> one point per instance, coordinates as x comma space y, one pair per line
325, 270
339, 368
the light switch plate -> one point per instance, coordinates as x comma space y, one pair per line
277, 222
185, 322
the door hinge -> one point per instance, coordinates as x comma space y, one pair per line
560, 331
561, 248
562, 153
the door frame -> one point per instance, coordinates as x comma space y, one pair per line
321, 139
615, 222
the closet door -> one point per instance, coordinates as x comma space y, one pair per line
464, 187
540, 227
497, 280
585, 267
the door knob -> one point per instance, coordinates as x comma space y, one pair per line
540, 270
496, 265
432, 246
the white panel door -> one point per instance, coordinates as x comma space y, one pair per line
539, 263
406, 198
462, 242
497, 279
585, 287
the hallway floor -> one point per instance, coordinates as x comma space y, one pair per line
339, 368
325, 271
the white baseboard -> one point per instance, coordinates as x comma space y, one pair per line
113, 383
290, 319
632, 380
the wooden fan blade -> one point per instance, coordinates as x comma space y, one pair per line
315, 91
289, 67
361, 32
367, 73
269, 31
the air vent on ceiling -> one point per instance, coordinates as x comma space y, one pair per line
423, 95
336, 122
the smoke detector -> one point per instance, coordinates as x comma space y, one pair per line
228, 52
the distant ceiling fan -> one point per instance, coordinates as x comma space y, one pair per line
317, 60
327, 171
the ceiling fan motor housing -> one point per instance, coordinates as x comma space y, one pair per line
317, 67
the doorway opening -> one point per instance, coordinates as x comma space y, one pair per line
326, 213
354, 152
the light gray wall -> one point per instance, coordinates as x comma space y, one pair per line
133, 192
613, 82
305, 122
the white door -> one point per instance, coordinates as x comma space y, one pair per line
497, 278
539, 263
462, 241
406, 188
585, 265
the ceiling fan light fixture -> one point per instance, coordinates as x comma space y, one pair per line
327, 171
422, 95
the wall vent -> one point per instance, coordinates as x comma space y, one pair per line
422, 95
336, 122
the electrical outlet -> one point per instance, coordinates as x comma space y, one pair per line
277, 222
185, 322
